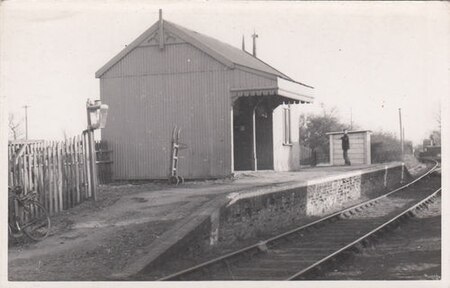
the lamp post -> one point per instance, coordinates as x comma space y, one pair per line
96, 114
96, 119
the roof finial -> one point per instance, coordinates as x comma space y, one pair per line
243, 43
161, 30
254, 36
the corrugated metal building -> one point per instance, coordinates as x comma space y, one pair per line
234, 110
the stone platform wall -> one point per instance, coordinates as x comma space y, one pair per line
260, 214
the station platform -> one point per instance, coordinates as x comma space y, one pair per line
138, 223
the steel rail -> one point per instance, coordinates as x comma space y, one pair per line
367, 203
364, 237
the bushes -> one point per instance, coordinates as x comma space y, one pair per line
386, 148
313, 129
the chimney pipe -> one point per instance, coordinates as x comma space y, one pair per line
254, 36
161, 30
243, 43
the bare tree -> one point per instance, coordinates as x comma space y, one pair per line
329, 112
436, 133
438, 118
15, 127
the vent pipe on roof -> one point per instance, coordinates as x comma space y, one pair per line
161, 30
254, 36
243, 43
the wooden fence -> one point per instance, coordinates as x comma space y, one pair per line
58, 171
103, 162
305, 155
313, 157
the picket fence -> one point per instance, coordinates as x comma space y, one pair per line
57, 170
104, 172
310, 157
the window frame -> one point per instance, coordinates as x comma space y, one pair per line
287, 126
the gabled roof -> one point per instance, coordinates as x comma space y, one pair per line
222, 52
231, 53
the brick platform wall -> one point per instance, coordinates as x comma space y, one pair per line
247, 217
325, 196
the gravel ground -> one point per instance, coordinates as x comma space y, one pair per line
94, 239
412, 251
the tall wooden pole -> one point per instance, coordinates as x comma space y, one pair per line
351, 118
254, 157
92, 154
401, 129
93, 165
26, 121
403, 137
232, 137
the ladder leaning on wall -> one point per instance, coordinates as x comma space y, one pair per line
176, 146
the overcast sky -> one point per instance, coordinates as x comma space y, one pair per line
368, 58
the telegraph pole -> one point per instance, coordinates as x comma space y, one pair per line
351, 119
403, 136
401, 129
26, 121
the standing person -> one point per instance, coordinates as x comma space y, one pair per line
345, 147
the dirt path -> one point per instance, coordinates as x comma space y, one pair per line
94, 240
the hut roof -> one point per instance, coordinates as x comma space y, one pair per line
222, 52
231, 53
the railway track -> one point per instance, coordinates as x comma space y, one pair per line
294, 254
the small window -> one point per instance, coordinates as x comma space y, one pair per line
287, 125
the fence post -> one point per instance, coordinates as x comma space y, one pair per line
59, 147
27, 156
51, 169
75, 166
83, 164
87, 166
93, 164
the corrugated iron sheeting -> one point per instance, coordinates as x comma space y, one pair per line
152, 90
175, 58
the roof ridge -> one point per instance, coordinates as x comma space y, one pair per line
204, 35
233, 47
259, 59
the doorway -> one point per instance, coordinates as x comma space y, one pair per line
252, 120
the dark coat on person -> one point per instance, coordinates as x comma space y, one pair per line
345, 142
